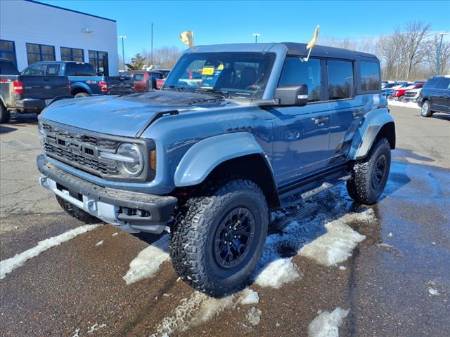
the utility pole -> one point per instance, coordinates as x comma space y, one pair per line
256, 35
151, 46
123, 37
438, 54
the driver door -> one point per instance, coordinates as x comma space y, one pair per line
301, 133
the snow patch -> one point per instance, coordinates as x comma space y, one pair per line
148, 261
337, 244
99, 243
115, 234
433, 292
253, 316
249, 296
210, 308
403, 104
327, 324
8, 265
277, 273
96, 327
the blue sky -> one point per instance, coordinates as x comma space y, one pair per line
235, 21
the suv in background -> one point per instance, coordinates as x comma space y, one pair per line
257, 128
435, 96
43, 82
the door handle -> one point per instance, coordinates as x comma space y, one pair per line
319, 120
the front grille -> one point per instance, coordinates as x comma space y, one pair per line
76, 148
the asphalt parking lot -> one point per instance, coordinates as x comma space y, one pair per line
379, 271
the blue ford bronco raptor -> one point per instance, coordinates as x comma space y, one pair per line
237, 131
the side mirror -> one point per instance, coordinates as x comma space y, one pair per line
297, 95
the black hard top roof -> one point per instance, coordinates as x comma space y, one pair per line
323, 51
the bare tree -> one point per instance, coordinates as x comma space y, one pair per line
415, 50
432, 46
164, 57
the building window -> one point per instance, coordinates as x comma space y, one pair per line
99, 60
370, 76
72, 54
40, 52
8, 51
340, 79
297, 72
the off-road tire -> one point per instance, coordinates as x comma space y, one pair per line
81, 94
425, 111
364, 187
5, 115
193, 243
76, 212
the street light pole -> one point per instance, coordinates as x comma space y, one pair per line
438, 54
151, 47
256, 35
123, 37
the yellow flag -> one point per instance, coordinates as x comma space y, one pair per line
187, 38
314, 39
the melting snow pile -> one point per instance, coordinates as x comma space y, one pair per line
277, 273
249, 297
8, 265
148, 261
200, 308
254, 316
327, 324
337, 244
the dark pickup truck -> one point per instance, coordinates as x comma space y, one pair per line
42, 82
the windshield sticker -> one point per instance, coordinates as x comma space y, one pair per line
208, 71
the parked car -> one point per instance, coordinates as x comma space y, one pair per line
411, 95
160, 81
261, 129
42, 82
400, 92
147, 80
435, 96
121, 85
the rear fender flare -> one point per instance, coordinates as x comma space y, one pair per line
80, 86
366, 134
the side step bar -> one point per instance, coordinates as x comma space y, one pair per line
292, 194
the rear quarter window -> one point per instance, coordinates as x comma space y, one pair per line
370, 76
340, 79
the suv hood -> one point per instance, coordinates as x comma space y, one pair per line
125, 115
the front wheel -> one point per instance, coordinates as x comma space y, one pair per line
425, 111
370, 175
219, 236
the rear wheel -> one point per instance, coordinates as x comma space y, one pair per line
76, 212
5, 115
219, 236
370, 175
81, 94
425, 111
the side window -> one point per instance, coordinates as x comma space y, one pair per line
370, 76
36, 69
52, 70
443, 83
296, 72
340, 79
79, 69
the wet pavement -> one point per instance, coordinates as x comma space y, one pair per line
396, 282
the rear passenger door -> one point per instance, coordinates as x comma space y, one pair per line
345, 111
441, 99
301, 133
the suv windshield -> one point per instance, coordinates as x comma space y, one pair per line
243, 74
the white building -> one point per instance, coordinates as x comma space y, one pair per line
31, 31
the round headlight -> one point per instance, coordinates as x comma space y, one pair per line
133, 162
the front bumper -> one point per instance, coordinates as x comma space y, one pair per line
133, 211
